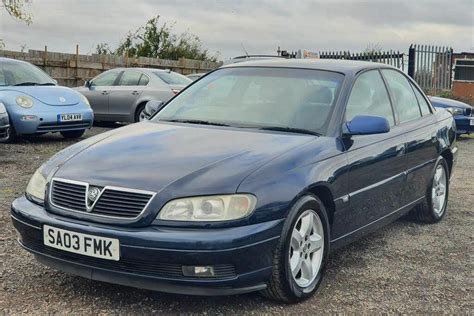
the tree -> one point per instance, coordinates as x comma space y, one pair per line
103, 49
16, 9
159, 41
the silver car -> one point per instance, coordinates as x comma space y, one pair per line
120, 94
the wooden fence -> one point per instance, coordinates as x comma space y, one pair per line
72, 70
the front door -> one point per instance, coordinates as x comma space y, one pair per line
376, 162
99, 90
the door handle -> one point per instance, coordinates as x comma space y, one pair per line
105, 92
135, 93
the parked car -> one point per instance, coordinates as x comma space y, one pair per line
462, 112
245, 181
120, 94
37, 105
195, 77
4, 123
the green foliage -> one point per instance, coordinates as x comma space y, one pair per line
159, 41
103, 49
16, 9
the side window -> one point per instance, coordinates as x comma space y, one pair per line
143, 80
369, 96
106, 79
424, 106
404, 97
130, 78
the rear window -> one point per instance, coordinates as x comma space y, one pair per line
172, 78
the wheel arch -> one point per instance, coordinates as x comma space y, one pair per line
448, 156
324, 193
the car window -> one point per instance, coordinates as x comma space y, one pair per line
130, 78
143, 80
369, 96
404, 97
106, 79
424, 106
15, 73
172, 77
255, 97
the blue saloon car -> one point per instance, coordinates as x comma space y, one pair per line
36, 105
462, 112
245, 181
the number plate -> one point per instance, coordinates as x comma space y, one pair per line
472, 121
83, 244
69, 117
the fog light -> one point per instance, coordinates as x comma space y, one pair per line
28, 118
198, 271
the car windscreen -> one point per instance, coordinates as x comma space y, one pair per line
173, 78
259, 97
19, 73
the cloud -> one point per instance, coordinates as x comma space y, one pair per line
261, 26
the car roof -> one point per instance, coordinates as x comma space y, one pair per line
13, 60
143, 69
337, 65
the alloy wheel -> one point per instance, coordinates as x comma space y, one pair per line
306, 248
141, 116
438, 191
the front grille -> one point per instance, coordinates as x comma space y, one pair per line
120, 203
468, 112
65, 126
139, 266
113, 202
69, 195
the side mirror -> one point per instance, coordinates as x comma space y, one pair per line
153, 107
366, 125
88, 84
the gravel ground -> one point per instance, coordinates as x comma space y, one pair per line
402, 268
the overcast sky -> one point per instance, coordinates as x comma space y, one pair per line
259, 25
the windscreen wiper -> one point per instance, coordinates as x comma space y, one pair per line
26, 84
34, 84
200, 122
290, 130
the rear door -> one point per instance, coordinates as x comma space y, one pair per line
125, 94
419, 124
99, 90
376, 162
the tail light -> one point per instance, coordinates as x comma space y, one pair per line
175, 91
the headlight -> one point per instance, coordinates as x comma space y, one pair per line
37, 185
24, 101
209, 208
84, 99
456, 111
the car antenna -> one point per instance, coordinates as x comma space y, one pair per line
245, 51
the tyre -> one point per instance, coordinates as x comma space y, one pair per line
12, 135
72, 134
300, 258
139, 114
434, 205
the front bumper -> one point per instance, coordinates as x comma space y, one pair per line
153, 257
47, 121
464, 124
